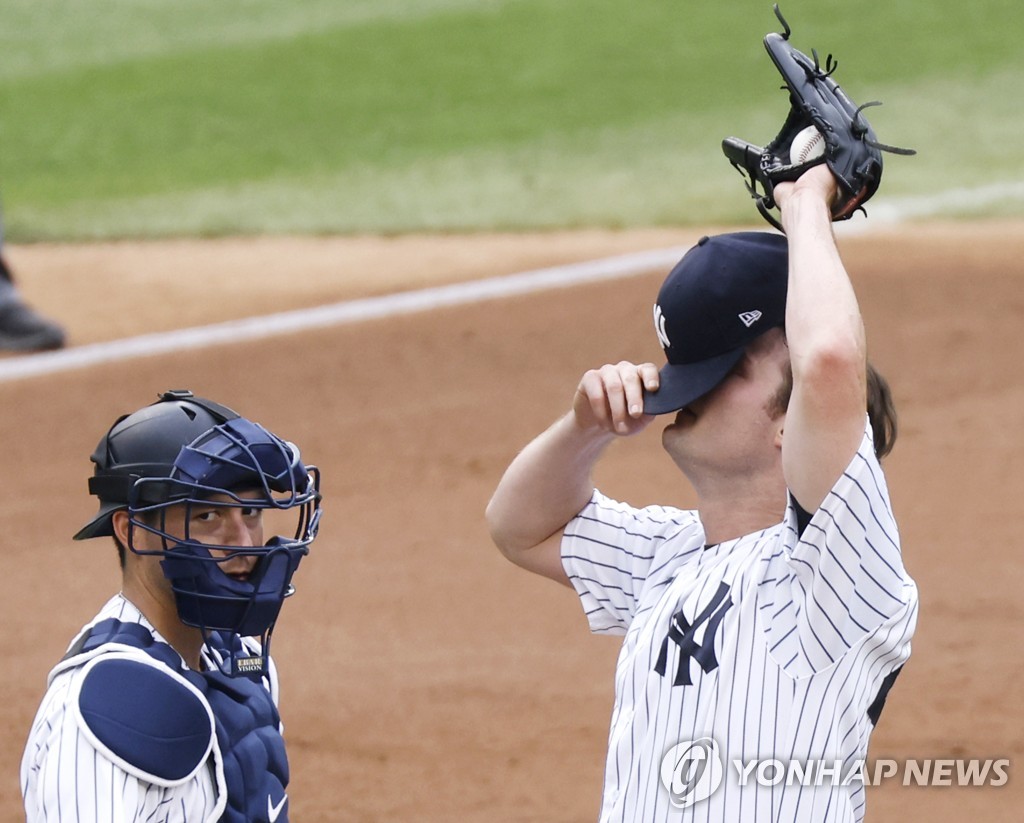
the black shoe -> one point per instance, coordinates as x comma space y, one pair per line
22, 329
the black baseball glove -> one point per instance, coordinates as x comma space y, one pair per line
851, 149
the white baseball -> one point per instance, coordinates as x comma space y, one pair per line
806, 146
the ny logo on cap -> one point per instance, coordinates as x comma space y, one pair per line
659, 327
749, 318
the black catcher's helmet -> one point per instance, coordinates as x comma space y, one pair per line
145, 444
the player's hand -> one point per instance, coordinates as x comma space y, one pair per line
817, 182
611, 398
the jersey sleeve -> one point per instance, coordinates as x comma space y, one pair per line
611, 552
841, 577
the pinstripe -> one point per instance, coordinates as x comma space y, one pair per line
620, 528
798, 746
814, 627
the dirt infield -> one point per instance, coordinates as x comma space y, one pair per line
425, 679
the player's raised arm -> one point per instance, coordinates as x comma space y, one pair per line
549, 482
825, 420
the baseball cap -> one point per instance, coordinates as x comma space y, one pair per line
726, 291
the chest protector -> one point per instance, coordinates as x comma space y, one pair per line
161, 721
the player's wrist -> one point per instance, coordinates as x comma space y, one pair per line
806, 206
585, 430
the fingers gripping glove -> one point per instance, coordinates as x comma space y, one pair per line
852, 151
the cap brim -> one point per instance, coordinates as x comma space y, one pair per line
101, 525
681, 384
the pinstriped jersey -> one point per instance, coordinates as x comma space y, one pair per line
65, 777
775, 645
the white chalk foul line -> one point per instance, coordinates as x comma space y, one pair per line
337, 314
354, 311
952, 201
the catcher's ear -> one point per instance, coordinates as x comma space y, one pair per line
119, 522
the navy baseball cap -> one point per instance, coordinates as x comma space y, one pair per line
726, 291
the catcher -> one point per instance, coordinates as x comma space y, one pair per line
767, 625
165, 705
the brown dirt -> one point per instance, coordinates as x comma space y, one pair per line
424, 678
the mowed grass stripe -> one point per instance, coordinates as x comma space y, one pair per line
45, 36
515, 114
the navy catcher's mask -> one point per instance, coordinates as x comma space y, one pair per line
226, 579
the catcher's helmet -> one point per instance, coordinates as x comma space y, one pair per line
184, 451
145, 444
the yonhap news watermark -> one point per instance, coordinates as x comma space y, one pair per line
693, 771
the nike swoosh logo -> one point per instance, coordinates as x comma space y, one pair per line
272, 810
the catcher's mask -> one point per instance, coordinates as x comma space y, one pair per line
183, 463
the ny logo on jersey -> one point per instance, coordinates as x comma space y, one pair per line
682, 632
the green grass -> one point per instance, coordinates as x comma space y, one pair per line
123, 118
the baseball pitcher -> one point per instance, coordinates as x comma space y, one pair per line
771, 622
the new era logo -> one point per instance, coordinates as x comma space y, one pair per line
749, 318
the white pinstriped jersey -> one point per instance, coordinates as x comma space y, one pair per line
774, 645
64, 779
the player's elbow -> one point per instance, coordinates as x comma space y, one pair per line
835, 362
502, 526
512, 532
527, 548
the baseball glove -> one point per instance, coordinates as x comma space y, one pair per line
851, 149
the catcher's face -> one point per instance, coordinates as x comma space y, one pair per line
229, 529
